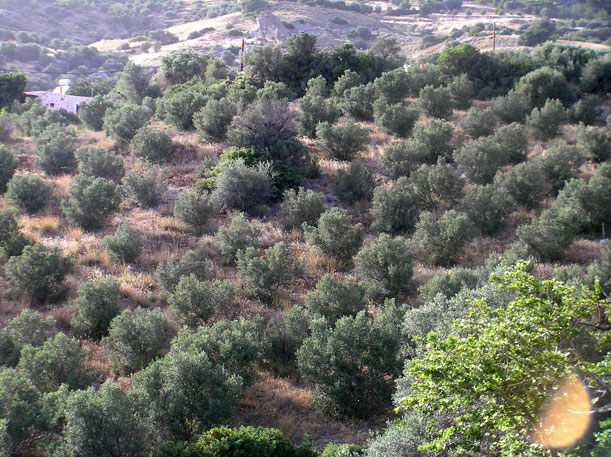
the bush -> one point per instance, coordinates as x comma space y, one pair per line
54, 150
334, 298
335, 236
385, 268
180, 107
513, 140
539, 86
286, 333
346, 81
12, 240
243, 188
122, 122
92, 113
263, 277
196, 211
397, 119
587, 109
170, 272
313, 110
31, 328
442, 240
91, 201
301, 206
478, 122
99, 163
487, 207
594, 142
125, 245
153, 145
560, 162
448, 283
436, 101
547, 121
8, 165
247, 441
526, 184
317, 87
357, 102
395, 209
195, 303
359, 385
480, 159
28, 192
595, 76
98, 304
145, 187
393, 86
239, 235
213, 120
401, 158
39, 273
6, 127
511, 108
436, 186
355, 184
462, 91
136, 338
435, 137
341, 141
60, 360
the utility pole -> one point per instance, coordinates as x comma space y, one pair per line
493, 36
242, 57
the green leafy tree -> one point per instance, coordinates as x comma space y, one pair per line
513, 140
355, 184
30, 327
512, 107
435, 137
357, 102
98, 304
213, 120
397, 119
437, 186
560, 162
54, 151
402, 158
12, 86
526, 184
462, 91
595, 76
547, 121
313, 110
539, 86
99, 163
385, 267
180, 106
587, 109
537, 33
122, 122
239, 235
342, 141
478, 122
488, 207
125, 245
448, 283
335, 298
92, 113
544, 327
264, 64
335, 236
91, 201
170, 272
301, 206
480, 159
146, 186
594, 142
393, 86
346, 81
153, 145
39, 273
12, 241
395, 209
28, 192
196, 211
436, 101
8, 165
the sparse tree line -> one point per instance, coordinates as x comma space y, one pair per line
450, 173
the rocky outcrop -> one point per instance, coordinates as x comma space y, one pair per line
270, 28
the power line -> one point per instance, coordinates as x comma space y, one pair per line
11, 70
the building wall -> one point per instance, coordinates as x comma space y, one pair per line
53, 101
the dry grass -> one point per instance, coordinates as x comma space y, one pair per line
584, 251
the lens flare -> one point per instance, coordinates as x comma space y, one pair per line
565, 416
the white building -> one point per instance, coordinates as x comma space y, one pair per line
58, 98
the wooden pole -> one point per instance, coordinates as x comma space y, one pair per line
242, 57
493, 36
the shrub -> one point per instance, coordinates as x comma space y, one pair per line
487, 207
12, 241
243, 188
435, 137
547, 121
263, 277
180, 107
341, 141
6, 127
595, 76
196, 211
195, 303
317, 87
346, 81
28, 192
395, 209
313, 110
357, 102
550, 235
437, 185
334, 236
92, 113
239, 235
393, 86
480, 159
54, 150
121, 123
436, 101
539, 86
91, 201
99, 163
397, 119
355, 184
448, 283
359, 386
587, 110
125, 245
511, 108
153, 145
136, 338
478, 122
559, 163
30, 327
526, 184
170, 272
60, 360
462, 91
513, 140
442, 240
247, 441
385, 267
594, 142
334, 298
39, 273
301, 206
98, 304
401, 158
213, 120
145, 187
8, 165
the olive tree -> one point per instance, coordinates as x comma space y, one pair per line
100, 163
395, 209
169, 273
153, 145
335, 298
213, 120
301, 206
342, 141
125, 245
28, 192
334, 236
196, 211
239, 235
91, 201
8, 165
97, 304
547, 120
54, 150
